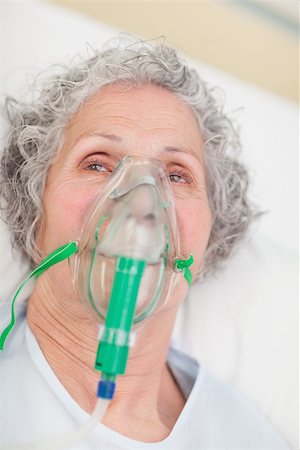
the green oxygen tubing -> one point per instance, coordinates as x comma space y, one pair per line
114, 341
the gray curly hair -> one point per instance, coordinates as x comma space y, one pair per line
36, 128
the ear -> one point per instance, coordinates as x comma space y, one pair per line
39, 241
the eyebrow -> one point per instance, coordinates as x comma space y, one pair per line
114, 137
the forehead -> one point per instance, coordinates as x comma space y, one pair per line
142, 109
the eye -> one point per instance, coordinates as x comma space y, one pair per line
180, 177
96, 163
97, 167
176, 178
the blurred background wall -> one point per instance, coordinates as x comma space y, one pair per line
256, 41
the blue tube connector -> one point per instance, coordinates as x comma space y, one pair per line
106, 389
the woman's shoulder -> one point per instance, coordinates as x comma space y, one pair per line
221, 415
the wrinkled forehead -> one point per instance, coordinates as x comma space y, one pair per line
122, 114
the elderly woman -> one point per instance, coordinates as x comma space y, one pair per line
131, 129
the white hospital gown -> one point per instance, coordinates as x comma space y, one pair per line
34, 405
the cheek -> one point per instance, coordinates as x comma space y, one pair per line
65, 204
195, 219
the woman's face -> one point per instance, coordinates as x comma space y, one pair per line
147, 121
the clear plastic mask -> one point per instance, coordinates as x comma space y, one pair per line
133, 216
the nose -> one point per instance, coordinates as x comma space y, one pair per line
144, 204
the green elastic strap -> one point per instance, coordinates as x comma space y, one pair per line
183, 265
55, 257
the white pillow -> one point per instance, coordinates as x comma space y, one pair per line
242, 325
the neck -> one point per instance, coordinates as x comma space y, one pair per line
67, 335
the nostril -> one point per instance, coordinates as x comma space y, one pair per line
149, 217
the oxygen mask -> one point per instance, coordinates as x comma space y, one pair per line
132, 217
